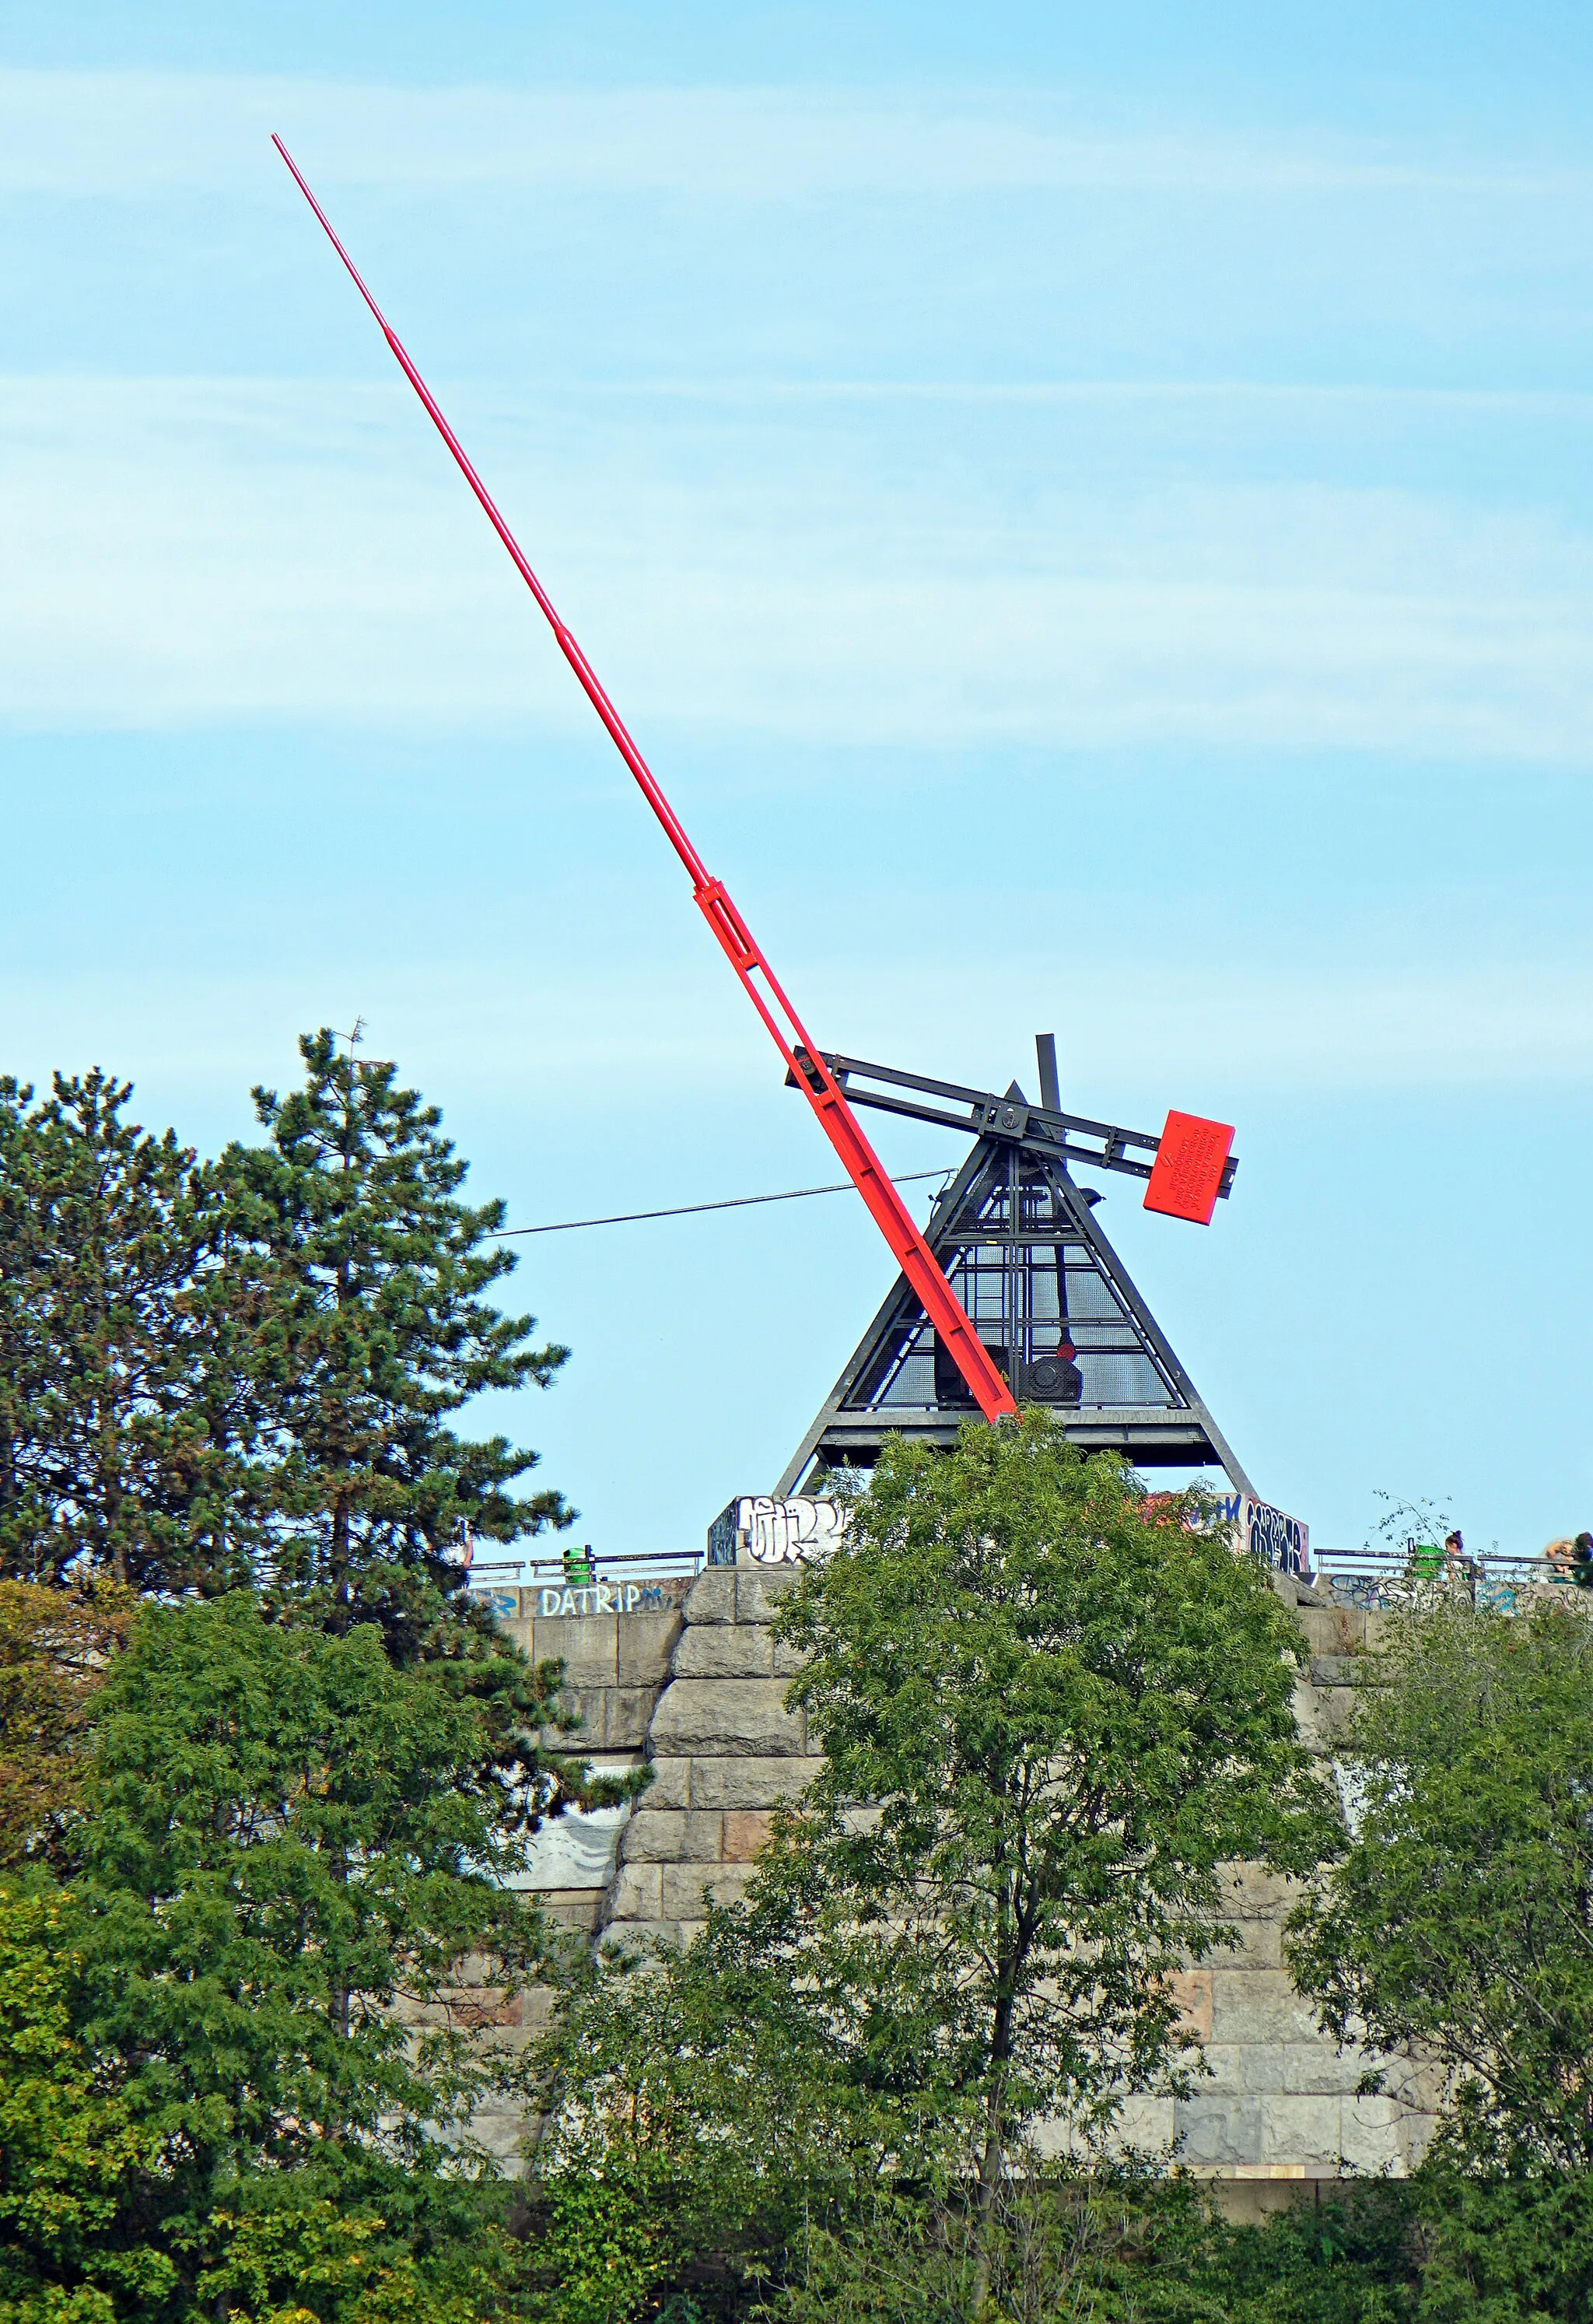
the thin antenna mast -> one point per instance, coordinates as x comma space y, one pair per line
802, 1060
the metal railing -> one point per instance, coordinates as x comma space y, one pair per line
606, 1566
1378, 1579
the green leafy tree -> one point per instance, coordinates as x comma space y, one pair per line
70, 2147
1066, 1706
1460, 1919
693, 2121
1051, 1710
379, 1331
290, 1845
124, 1411
87, 2234
242, 2040
290, 1854
55, 1650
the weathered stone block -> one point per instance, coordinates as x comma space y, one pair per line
1313, 1719
1224, 2077
1310, 2068
1191, 1989
1332, 1708
647, 1641
727, 1717
1144, 2123
589, 1706
1250, 1892
626, 1716
589, 1650
573, 1908
1418, 2084
725, 1650
635, 1894
1260, 2005
671, 1836
748, 1783
483, 2005
745, 1831
1213, 2132
788, 1661
1332, 1629
1304, 2131
686, 1887
1260, 1945
712, 1596
536, 2007
760, 1588
671, 1784
1377, 2135
622, 1935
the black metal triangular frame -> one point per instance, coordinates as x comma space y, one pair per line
1060, 1314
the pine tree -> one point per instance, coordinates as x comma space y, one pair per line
124, 1418
379, 1332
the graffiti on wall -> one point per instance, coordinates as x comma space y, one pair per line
756, 1529
551, 1600
1280, 1541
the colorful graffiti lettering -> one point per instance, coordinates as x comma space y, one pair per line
554, 1600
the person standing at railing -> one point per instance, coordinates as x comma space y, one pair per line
1561, 1556
1460, 1572
1571, 1561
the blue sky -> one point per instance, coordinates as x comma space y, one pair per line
1089, 513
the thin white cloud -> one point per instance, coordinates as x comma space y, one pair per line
130, 133
1169, 1027
182, 551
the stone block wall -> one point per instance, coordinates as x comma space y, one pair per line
724, 1751
698, 1687
1277, 2108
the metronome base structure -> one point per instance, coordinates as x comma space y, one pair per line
1057, 1308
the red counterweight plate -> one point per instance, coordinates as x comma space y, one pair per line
1187, 1169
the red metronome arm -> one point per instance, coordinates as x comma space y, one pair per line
802, 1059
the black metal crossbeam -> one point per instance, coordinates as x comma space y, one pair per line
1046, 1132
